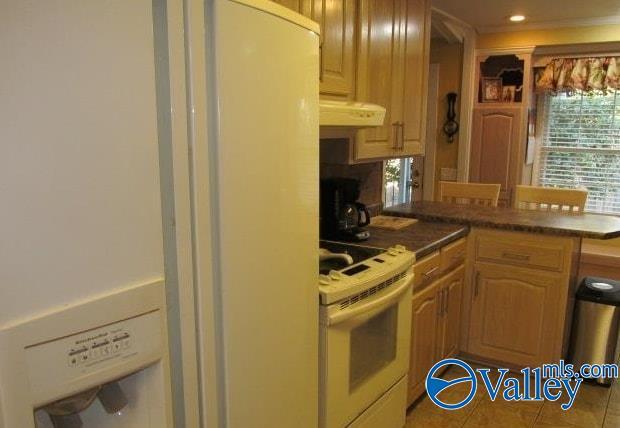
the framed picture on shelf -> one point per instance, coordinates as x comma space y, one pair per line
508, 93
491, 89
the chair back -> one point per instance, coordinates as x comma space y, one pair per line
550, 199
469, 193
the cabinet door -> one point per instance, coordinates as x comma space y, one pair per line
496, 148
515, 315
451, 301
378, 61
424, 320
337, 55
415, 45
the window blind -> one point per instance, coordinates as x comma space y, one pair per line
579, 146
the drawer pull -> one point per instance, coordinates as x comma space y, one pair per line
430, 272
459, 255
516, 256
476, 284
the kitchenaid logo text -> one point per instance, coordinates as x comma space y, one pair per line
550, 382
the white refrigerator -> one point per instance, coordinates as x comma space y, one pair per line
264, 119
82, 248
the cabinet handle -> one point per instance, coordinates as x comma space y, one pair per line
396, 125
430, 272
446, 301
516, 256
476, 284
321, 62
402, 136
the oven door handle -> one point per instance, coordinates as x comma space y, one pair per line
373, 305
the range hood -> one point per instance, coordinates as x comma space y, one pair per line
350, 114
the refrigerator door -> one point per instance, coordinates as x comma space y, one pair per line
267, 132
79, 158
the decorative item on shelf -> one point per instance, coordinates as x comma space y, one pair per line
451, 127
491, 89
508, 93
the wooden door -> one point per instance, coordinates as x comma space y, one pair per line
451, 320
415, 45
424, 320
496, 149
378, 61
337, 55
514, 315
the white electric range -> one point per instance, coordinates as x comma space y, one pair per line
365, 329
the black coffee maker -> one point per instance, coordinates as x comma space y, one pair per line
342, 217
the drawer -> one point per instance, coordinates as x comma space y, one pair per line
453, 254
521, 251
425, 270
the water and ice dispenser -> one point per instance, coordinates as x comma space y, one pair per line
99, 363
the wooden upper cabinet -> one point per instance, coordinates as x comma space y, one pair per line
378, 63
496, 149
392, 72
415, 75
337, 56
337, 45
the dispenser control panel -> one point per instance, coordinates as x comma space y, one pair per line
107, 351
99, 347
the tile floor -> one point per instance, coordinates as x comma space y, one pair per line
594, 407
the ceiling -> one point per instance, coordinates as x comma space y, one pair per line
492, 15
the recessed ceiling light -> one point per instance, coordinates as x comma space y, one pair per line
517, 18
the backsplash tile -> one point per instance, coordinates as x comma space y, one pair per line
370, 176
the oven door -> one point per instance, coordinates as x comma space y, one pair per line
364, 351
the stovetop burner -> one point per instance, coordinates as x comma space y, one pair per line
357, 252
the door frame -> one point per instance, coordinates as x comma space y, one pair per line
465, 33
428, 181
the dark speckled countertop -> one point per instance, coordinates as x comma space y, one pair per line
422, 237
586, 225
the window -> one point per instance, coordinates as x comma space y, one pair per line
397, 181
579, 147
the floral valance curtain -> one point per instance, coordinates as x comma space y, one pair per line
579, 74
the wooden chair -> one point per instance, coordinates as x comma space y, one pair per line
469, 193
550, 199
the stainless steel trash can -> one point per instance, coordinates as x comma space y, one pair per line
594, 337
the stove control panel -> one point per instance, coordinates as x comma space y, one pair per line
340, 284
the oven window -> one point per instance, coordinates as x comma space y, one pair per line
373, 346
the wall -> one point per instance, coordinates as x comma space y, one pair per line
450, 60
556, 36
370, 176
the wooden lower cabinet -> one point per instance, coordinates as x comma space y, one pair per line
516, 306
453, 294
515, 315
424, 321
435, 316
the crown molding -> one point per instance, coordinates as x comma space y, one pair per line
547, 25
